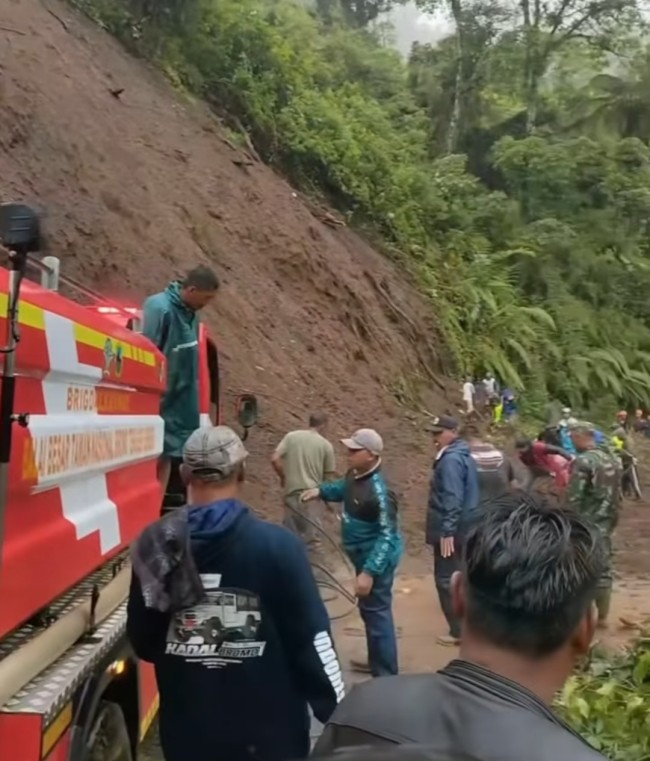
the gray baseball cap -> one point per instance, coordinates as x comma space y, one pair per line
213, 453
365, 438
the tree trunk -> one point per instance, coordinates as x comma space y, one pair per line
455, 118
532, 98
532, 66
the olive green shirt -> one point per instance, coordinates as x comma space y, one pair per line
307, 457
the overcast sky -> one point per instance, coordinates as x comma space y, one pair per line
411, 25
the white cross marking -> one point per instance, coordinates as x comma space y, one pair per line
85, 499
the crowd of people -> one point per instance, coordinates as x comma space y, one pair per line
227, 608
486, 397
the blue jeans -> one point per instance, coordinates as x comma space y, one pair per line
376, 610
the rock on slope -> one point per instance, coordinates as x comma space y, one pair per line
138, 189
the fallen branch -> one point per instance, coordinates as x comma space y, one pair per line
433, 377
321, 213
13, 31
247, 139
397, 310
54, 15
229, 143
328, 219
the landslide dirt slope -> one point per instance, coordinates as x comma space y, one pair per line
140, 188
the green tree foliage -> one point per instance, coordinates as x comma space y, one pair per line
533, 248
609, 703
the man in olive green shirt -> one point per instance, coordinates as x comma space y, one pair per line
303, 460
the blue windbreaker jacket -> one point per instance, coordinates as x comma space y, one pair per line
454, 493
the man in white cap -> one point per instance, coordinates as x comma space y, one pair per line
372, 540
226, 607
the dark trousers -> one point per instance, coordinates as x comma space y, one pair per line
376, 611
443, 570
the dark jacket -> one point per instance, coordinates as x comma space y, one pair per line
463, 709
454, 492
237, 671
495, 472
369, 524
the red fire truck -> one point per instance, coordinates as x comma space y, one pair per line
80, 434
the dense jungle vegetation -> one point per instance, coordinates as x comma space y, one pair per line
507, 166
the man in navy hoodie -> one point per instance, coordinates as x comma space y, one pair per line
226, 607
453, 502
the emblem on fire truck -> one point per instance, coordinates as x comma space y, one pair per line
109, 356
119, 360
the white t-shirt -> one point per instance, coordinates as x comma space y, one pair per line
468, 391
490, 385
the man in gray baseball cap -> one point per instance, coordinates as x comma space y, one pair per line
256, 619
365, 439
212, 456
372, 540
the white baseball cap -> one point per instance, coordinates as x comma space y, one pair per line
365, 438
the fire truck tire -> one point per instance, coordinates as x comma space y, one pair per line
109, 737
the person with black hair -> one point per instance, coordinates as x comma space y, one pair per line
170, 321
544, 461
525, 596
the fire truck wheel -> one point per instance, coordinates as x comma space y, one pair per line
109, 737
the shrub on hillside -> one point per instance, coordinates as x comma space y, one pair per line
609, 703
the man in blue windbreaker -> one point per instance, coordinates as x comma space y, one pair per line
170, 321
226, 607
372, 541
453, 503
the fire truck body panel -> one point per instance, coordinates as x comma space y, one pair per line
37, 721
82, 486
83, 471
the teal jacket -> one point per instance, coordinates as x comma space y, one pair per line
174, 329
369, 524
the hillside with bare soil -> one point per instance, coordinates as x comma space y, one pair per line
138, 187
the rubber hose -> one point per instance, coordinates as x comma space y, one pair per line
335, 585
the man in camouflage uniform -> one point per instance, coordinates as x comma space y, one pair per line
594, 491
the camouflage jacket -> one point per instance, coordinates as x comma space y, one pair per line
594, 487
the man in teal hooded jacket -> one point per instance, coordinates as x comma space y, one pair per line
170, 321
